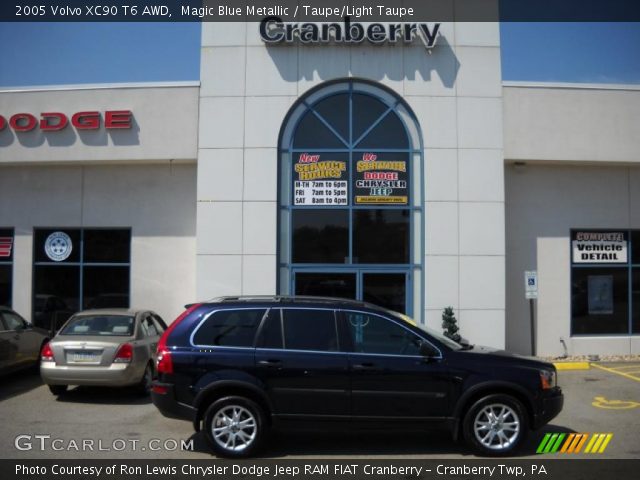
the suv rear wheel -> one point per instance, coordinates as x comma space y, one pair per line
495, 425
234, 426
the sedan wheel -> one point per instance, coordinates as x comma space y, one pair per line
234, 426
57, 389
147, 378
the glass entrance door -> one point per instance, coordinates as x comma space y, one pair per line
385, 289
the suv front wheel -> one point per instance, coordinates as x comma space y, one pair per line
234, 426
495, 425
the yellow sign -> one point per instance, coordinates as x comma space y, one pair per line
381, 199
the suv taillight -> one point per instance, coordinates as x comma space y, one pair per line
46, 354
164, 363
124, 354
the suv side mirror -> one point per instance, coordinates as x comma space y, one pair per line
428, 351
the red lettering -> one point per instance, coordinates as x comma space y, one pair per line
369, 157
52, 121
117, 119
380, 175
306, 158
23, 122
86, 120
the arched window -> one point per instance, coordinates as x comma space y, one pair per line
350, 197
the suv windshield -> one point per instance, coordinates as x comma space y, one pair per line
433, 333
100, 325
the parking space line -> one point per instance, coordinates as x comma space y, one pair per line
616, 372
625, 367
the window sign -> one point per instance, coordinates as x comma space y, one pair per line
6, 244
320, 179
599, 247
600, 289
381, 179
58, 246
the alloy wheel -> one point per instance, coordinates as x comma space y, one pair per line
234, 428
496, 426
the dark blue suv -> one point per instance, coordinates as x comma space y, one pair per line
239, 366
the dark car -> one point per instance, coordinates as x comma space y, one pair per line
237, 367
20, 342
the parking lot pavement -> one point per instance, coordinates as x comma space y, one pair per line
121, 424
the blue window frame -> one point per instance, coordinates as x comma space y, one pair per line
79, 268
350, 188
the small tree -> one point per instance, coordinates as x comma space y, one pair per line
450, 324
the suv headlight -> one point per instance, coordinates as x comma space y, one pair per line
548, 379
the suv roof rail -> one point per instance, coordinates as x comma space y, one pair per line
290, 299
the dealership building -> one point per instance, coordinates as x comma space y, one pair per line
399, 170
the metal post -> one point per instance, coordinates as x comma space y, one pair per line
533, 327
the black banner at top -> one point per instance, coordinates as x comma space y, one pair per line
320, 10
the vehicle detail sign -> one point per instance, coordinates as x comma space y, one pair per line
599, 247
380, 181
320, 181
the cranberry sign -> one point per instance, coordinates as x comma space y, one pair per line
55, 121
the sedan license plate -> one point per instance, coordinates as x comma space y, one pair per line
85, 357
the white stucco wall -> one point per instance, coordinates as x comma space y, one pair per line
455, 91
157, 201
543, 203
578, 152
579, 123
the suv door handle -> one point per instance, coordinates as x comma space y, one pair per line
365, 366
270, 363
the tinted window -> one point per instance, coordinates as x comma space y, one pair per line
107, 246
389, 133
229, 328
335, 111
5, 285
341, 285
310, 330
320, 236
312, 133
366, 110
98, 325
373, 334
6, 270
271, 334
106, 287
599, 300
381, 236
13, 321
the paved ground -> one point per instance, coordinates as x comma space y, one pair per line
600, 400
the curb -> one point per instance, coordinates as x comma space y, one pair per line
572, 365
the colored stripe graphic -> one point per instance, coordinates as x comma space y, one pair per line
574, 442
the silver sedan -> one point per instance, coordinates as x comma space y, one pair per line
114, 347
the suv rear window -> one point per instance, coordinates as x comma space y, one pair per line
229, 328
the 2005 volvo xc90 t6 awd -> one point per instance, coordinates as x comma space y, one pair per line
237, 367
